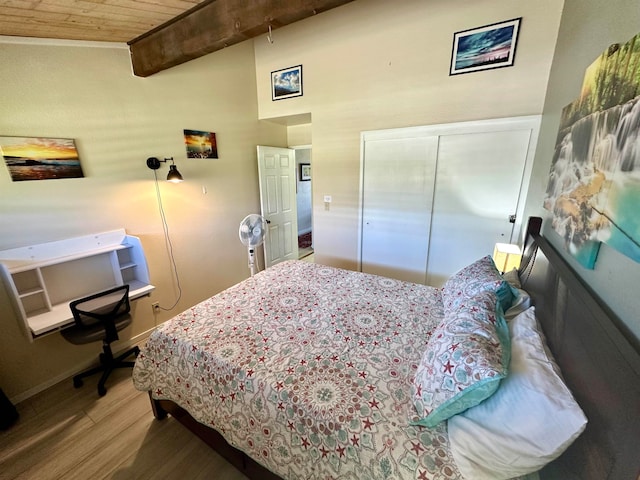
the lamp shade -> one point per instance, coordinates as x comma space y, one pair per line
506, 256
174, 175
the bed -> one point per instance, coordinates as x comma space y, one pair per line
305, 371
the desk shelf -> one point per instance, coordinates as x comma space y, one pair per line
31, 291
42, 279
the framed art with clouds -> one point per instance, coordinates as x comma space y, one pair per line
484, 48
40, 158
286, 83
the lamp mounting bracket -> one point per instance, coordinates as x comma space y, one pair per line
153, 163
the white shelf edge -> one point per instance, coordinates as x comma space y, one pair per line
30, 291
19, 266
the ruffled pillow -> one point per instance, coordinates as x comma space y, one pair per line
466, 357
480, 276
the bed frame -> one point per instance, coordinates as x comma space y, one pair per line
599, 359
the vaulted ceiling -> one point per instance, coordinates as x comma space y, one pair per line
160, 33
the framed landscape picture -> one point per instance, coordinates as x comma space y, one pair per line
38, 158
286, 83
305, 172
484, 48
200, 144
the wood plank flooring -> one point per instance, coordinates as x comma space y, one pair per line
67, 433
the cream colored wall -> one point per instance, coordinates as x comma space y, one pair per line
118, 120
374, 64
588, 27
299, 135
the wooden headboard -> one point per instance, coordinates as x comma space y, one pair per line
600, 362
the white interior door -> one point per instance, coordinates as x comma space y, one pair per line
478, 187
277, 174
397, 196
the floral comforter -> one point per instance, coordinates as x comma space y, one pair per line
308, 370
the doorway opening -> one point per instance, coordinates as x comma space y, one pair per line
304, 203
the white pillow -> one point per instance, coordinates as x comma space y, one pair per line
530, 420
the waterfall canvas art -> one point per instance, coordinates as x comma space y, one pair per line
594, 182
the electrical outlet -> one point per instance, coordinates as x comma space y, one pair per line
155, 306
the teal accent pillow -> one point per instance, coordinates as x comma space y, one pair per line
480, 276
466, 358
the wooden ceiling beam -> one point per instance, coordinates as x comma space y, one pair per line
214, 25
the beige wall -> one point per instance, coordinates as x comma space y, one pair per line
118, 120
588, 27
377, 64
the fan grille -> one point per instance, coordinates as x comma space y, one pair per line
252, 230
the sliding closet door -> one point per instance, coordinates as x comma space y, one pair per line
478, 187
436, 198
398, 173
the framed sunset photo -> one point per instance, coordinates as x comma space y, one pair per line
484, 48
40, 158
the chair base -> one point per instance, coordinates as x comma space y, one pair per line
107, 364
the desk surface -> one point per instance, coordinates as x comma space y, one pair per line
60, 315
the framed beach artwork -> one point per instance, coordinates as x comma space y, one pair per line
286, 83
200, 144
485, 48
39, 158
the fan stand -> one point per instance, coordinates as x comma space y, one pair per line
252, 266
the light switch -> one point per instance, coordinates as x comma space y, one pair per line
327, 199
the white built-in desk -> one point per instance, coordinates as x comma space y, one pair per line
42, 279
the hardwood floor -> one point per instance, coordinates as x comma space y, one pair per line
67, 433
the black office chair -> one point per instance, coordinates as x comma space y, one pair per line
100, 317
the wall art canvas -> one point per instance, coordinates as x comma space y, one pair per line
286, 83
200, 144
484, 48
594, 182
38, 158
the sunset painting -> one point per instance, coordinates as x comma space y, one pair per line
35, 158
200, 144
491, 46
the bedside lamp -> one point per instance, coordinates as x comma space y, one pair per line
173, 176
506, 256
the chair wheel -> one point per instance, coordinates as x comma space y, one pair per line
77, 382
102, 391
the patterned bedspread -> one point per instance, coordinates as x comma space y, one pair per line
307, 369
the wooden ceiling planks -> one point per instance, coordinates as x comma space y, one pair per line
213, 25
94, 20
176, 30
